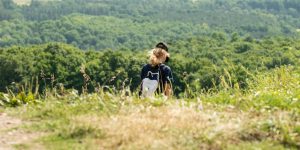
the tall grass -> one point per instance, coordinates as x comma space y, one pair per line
278, 88
265, 115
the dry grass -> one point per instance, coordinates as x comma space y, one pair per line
265, 117
176, 127
85, 124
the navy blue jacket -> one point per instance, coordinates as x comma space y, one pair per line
164, 71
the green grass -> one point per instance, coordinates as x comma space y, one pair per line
265, 116
2, 110
177, 124
256, 145
22, 147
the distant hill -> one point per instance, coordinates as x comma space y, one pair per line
146, 20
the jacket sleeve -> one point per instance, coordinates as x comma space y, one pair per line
143, 72
167, 77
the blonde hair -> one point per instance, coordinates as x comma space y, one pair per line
157, 56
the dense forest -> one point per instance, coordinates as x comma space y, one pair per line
49, 41
135, 24
198, 62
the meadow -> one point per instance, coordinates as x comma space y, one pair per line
266, 116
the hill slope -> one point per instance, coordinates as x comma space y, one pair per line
159, 20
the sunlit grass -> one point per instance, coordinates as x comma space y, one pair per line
176, 125
265, 116
22, 2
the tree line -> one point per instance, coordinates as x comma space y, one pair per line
198, 63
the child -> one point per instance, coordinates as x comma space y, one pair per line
156, 76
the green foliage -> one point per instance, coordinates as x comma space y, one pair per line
138, 24
277, 89
12, 100
198, 63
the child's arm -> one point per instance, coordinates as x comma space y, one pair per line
168, 90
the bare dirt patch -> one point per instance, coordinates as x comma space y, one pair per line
11, 135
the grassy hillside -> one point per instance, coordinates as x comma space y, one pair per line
265, 117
